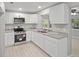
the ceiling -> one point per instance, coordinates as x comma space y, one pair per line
32, 7
28, 6
73, 4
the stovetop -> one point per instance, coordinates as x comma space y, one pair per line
19, 32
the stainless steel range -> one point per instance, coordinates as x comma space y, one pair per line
20, 35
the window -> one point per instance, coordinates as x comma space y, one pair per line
45, 21
75, 23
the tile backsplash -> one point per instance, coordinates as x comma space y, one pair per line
25, 26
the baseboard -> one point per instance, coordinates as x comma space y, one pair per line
9, 46
15, 44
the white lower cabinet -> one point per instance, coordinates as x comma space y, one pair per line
28, 36
54, 47
9, 39
50, 46
41, 41
35, 38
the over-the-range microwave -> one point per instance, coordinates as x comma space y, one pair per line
19, 20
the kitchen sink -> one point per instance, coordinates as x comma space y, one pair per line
56, 35
53, 34
42, 31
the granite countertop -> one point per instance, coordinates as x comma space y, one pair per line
54, 34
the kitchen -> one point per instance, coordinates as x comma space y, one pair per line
46, 26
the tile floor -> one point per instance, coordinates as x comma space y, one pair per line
75, 47
25, 50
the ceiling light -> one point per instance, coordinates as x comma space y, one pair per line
39, 7
20, 9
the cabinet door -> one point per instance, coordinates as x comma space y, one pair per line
50, 46
35, 38
9, 18
28, 36
41, 41
9, 39
6, 39
38, 39
59, 14
27, 18
62, 47
34, 18
6, 18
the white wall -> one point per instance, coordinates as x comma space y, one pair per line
2, 27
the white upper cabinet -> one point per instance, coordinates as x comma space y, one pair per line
34, 18
59, 14
2, 8
29, 18
9, 17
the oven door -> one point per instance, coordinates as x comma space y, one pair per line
20, 38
